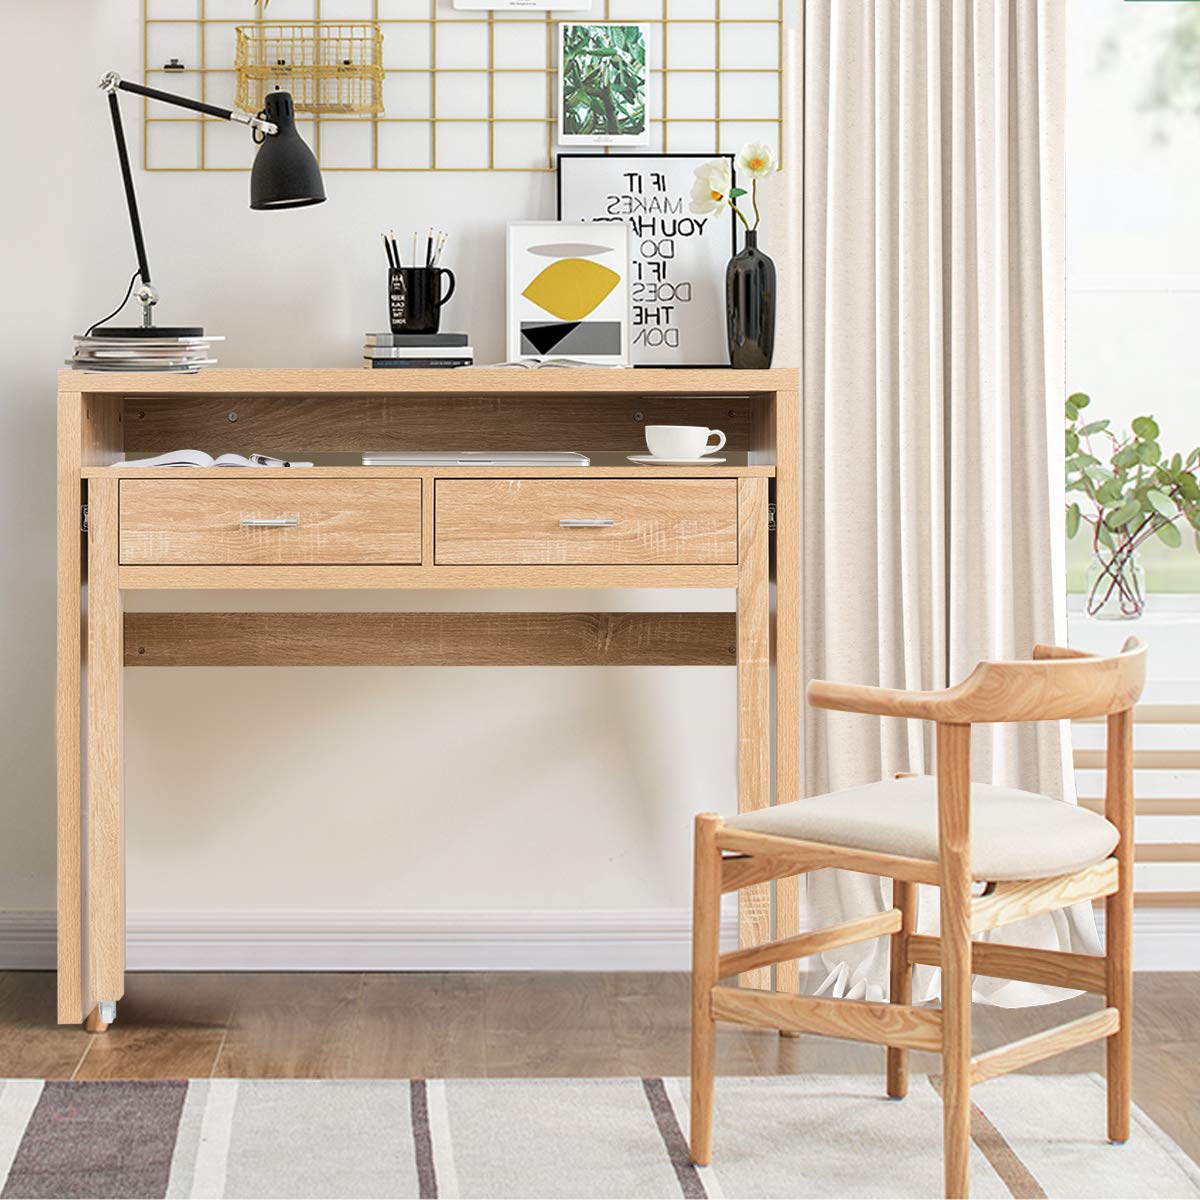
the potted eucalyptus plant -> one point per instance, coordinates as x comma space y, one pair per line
1127, 490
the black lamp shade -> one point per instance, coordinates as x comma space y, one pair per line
285, 172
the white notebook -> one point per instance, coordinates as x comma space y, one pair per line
197, 458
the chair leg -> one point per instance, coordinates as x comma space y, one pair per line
903, 897
954, 853
706, 950
956, 1060
1118, 924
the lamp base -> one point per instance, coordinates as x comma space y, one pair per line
148, 331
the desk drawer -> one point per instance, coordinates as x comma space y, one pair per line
270, 521
496, 522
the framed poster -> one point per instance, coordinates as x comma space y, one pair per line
568, 292
677, 259
603, 84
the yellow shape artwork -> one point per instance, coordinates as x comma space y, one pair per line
571, 288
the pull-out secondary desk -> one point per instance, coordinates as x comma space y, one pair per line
622, 526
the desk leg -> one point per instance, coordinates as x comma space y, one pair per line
789, 683
754, 700
105, 775
73, 986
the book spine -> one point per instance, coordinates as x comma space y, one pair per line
419, 352
410, 363
417, 339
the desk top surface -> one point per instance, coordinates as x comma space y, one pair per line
364, 381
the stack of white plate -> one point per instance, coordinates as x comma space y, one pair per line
143, 353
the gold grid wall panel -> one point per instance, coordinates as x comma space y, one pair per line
466, 91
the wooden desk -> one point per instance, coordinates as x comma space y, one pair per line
617, 526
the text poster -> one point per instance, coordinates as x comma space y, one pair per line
677, 258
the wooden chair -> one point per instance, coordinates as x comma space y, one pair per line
1035, 854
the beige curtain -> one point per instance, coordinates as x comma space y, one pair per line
930, 134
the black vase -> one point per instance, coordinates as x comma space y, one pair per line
750, 302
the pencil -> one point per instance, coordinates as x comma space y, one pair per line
429, 248
387, 249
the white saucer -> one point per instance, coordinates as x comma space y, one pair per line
651, 461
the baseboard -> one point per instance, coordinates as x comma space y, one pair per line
525, 940
261, 940
1164, 939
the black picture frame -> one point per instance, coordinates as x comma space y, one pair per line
620, 159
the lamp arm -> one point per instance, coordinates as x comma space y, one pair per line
135, 219
112, 82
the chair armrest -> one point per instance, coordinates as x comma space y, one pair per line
1041, 651
873, 701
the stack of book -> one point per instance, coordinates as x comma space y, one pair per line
101, 352
393, 350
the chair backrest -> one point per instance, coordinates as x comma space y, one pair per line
1058, 685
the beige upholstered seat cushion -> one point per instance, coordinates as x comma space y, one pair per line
1014, 834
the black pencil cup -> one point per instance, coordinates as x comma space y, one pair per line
415, 298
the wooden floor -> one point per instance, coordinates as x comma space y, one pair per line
517, 1024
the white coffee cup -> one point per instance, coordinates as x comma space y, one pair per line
682, 441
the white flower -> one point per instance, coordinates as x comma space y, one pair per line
710, 192
757, 160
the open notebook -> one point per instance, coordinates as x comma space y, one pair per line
197, 458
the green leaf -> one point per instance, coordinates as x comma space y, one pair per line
1162, 504
1072, 412
1170, 536
1072, 443
1094, 427
1079, 399
1145, 427
1120, 517
1073, 516
1149, 453
737, 191
1104, 537
1126, 457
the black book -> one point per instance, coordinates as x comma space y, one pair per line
389, 364
418, 339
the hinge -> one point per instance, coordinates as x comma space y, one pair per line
83, 518
772, 524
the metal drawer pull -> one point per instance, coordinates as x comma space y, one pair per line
584, 523
269, 522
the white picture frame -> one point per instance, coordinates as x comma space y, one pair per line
568, 292
568, 113
678, 261
523, 5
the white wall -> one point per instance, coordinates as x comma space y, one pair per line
315, 789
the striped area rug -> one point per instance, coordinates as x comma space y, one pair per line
790, 1136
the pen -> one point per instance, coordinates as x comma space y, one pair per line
395, 248
429, 249
388, 251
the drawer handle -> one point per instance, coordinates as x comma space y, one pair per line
585, 522
269, 522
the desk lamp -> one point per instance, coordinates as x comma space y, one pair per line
285, 175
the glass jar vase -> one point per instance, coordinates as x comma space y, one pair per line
1116, 586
